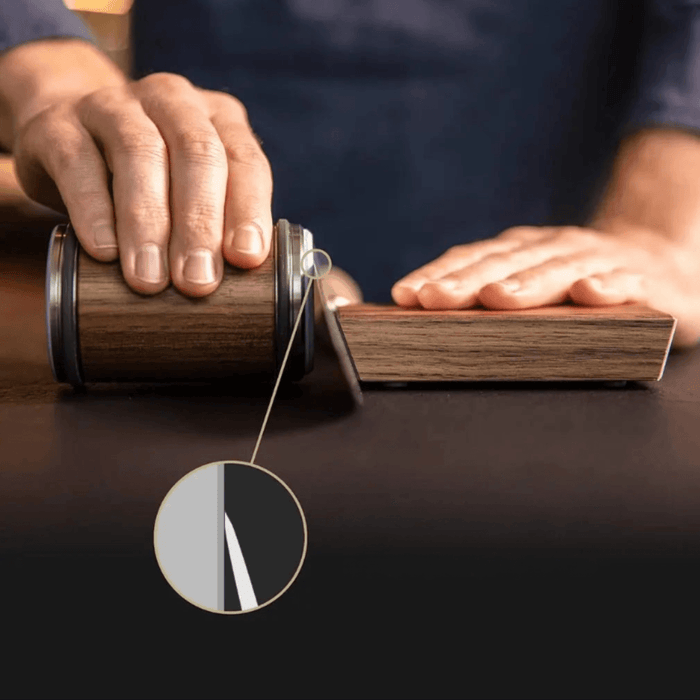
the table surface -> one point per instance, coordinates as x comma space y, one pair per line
484, 513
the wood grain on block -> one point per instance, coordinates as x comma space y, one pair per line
566, 342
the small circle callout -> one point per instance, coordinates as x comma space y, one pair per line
318, 266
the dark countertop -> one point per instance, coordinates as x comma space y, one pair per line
498, 539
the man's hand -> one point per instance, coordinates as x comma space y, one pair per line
526, 267
634, 251
166, 176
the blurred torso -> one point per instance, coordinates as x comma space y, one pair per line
398, 128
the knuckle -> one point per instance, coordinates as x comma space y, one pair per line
201, 216
222, 101
559, 261
497, 257
51, 125
200, 147
105, 99
67, 151
246, 153
151, 216
94, 202
570, 234
141, 143
57, 112
457, 250
168, 82
575, 263
518, 232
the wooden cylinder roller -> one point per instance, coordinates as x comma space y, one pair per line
100, 330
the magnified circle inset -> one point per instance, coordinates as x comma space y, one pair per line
230, 537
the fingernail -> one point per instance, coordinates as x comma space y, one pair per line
510, 285
149, 265
199, 267
248, 239
104, 237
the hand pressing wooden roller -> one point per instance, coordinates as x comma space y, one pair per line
100, 330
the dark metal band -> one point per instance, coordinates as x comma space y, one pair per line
61, 306
292, 242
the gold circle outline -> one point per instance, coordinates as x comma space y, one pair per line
303, 522
308, 274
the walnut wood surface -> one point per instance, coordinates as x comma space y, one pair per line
124, 335
567, 342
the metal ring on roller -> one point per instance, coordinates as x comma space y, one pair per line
293, 241
61, 306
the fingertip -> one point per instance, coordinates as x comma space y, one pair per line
104, 253
146, 269
198, 273
196, 291
436, 296
245, 261
590, 291
147, 288
99, 239
581, 292
404, 295
248, 245
495, 296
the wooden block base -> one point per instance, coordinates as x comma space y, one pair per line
567, 342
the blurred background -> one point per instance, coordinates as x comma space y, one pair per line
110, 22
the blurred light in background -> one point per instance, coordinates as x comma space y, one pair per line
110, 23
112, 7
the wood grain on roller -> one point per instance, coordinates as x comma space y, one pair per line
124, 335
566, 342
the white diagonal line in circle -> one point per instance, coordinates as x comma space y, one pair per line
246, 594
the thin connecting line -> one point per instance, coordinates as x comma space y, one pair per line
284, 364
